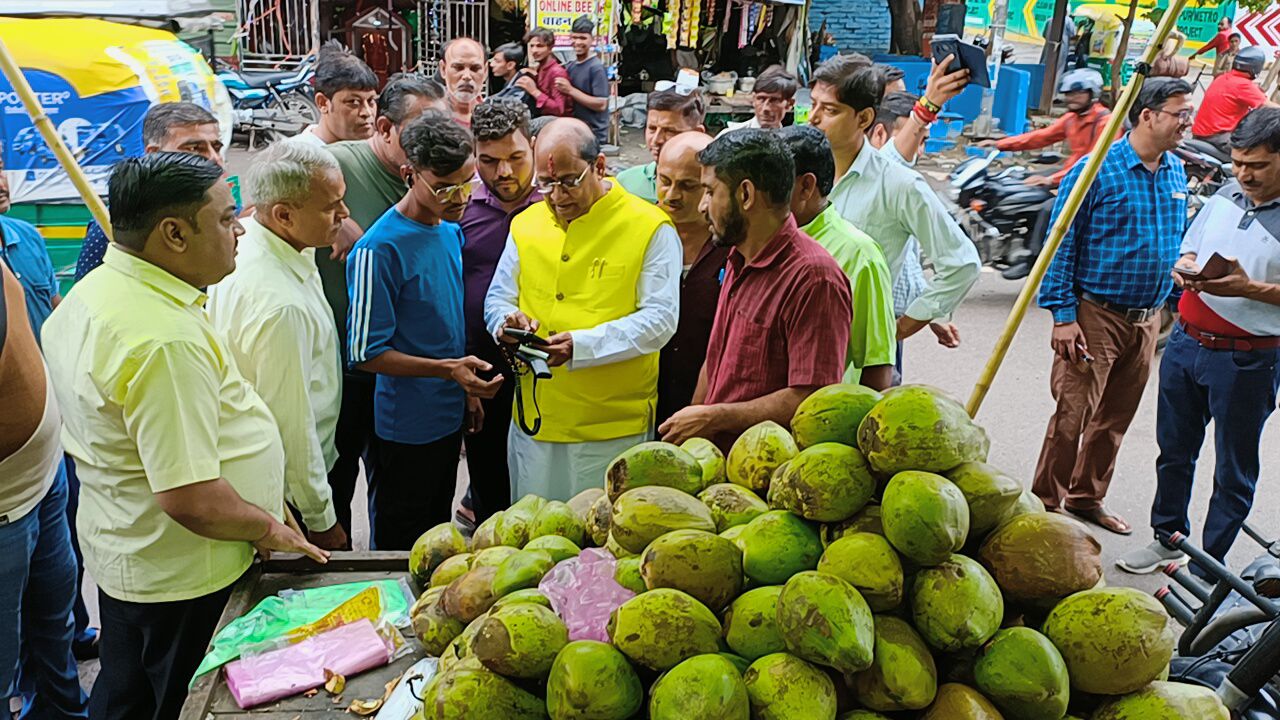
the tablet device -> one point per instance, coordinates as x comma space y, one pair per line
966, 56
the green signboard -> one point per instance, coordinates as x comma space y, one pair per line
1028, 17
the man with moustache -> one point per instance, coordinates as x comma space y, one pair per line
772, 99
406, 326
782, 328
680, 195
346, 96
371, 171
595, 271
272, 312
465, 72
504, 162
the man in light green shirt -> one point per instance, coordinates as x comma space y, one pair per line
180, 462
669, 114
872, 336
889, 202
273, 315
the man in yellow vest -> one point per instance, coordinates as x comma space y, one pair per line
595, 272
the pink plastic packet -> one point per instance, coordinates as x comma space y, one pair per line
345, 650
583, 592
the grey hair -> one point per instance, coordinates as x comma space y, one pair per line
284, 171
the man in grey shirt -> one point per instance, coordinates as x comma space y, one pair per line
588, 84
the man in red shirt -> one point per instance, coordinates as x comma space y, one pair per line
541, 84
1229, 98
1220, 42
782, 326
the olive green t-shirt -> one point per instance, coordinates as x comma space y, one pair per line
371, 191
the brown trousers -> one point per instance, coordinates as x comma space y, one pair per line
1096, 403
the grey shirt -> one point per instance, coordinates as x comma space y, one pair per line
589, 77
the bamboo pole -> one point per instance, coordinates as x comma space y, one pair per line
1071, 206
50, 134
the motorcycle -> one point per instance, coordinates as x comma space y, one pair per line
996, 208
1231, 640
1208, 169
276, 104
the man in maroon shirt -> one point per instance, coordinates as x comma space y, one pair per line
782, 327
541, 84
504, 162
680, 195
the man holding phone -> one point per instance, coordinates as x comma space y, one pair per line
1220, 362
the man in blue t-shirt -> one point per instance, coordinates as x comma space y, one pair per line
588, 84
405, 324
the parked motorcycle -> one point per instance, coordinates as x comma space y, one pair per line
997, 208
275, 104
1208, 169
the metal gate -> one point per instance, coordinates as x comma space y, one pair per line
444, 20
277, 34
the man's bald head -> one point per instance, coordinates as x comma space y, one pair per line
568, 163
680, 178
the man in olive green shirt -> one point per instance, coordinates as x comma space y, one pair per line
371, 170
180, 461
873, 335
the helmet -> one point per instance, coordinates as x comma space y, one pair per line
1082, 80
1250, 60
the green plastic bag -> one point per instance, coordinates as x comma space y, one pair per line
275, 616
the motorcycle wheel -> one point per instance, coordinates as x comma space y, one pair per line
297, 106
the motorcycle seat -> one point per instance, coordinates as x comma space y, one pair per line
1205, 148
266, 79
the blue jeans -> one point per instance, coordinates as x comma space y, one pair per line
1237, 390
37, 589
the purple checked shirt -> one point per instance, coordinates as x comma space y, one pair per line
485, 227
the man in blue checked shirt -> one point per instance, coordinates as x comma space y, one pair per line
1105, 288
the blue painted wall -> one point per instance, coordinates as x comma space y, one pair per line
858, 25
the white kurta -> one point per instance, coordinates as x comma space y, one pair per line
558, 471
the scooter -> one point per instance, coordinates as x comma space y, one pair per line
1231, 640
997, 208
276, 104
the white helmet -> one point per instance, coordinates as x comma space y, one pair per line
1082, 80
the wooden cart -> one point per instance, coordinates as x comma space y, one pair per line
210, 699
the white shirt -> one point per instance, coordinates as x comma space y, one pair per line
1232, 226
642, 332
893, 203
308, 136
753, 123
274, 317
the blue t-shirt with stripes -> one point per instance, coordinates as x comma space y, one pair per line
404, 281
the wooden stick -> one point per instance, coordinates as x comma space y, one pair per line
50, 134
1071, 206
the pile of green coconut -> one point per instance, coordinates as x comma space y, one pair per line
867, 564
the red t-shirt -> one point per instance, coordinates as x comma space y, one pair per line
783, 321
1229, 98
1194, 312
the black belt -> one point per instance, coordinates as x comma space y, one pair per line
1133, 315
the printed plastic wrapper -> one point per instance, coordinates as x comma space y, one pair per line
583, 592
277, 616
298, 667
403, 703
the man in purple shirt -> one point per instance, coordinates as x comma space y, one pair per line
504, 162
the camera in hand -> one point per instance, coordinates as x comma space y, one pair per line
527, 351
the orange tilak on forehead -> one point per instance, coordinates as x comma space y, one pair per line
551, 165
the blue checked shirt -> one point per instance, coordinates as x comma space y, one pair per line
1125, 238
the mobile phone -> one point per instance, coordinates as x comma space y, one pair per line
964, 56
523, 336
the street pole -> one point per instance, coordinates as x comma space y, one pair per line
51, 137
1053, 48
982, 124
1071, 205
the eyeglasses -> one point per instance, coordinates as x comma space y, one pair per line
453, 193
1184, 116
546, 186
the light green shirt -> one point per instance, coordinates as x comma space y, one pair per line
873, 337
275, 319
892, 203
152, 401
641, 181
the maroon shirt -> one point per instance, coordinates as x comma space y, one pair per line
681, 360
552, 102
783, 320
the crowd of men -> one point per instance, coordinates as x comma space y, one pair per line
219, 375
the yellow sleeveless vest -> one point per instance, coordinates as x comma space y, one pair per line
576, 278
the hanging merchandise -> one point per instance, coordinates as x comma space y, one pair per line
637, 8
751, 13
689, 22
763, 19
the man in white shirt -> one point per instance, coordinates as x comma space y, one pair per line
1221, 361
273, 314
595, 271
884, 199
346, 96
773, 98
